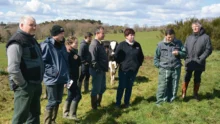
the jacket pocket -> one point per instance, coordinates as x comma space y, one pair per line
51, 72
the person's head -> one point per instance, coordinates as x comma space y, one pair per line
71, 43
129, 34
88, 36
57, 32
196, 26
28, 24
99, 33
169, 35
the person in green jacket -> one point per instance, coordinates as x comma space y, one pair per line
168, 55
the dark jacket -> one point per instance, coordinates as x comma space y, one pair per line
31, 65
74, 65
198, 48
55, 58
129, 57
99, 59
84, 52
165, 59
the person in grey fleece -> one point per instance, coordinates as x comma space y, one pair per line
26, 69
198, 48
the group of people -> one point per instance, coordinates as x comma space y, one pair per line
168, 55
56, 62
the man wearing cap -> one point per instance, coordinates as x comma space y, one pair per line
26, 69
85, 59
56, 74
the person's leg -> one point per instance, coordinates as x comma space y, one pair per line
175, 83
197, 81
74, 104
22, 101
103, 88
34, 114
81, 77
66, 107
185, 84
86, 81
162, 85
130, 76
121, 87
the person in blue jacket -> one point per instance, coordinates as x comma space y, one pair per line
55, 58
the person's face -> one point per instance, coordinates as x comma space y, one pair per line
169, 38
100, 35
90, 39
195, 28
74, 44
60, 37
28, 26
130, 37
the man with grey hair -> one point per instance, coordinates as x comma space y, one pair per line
26, 69
198, 48
98, 68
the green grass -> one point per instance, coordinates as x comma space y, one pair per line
143, 109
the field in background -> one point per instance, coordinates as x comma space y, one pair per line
143, 109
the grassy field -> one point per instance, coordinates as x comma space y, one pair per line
143, 109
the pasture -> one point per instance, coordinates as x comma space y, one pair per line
143, 109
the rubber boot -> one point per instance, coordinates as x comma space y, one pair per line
99, 100
54, 114
94, 102
184, 89
196, 90
73, 110
47, 116
66, 109
86, 86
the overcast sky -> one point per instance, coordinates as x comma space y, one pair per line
112, 12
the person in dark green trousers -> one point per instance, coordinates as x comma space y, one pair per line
168, 59
26, 69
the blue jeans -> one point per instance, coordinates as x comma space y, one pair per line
55, 93
126, 81
74, 93
98, 82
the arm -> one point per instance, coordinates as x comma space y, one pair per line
182, 51
14, 53
157, 57
207, 52
93, 51
81, 53
141, 56
119, 54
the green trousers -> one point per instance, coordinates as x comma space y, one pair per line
27, 104
168, 81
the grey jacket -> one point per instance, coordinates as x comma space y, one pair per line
84, 52
198, 48
25, 64
99, 59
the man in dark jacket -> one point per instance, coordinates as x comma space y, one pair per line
86, 60
26, 69
98, 68
56, 74
198, 47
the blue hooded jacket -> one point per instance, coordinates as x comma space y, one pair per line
55, 59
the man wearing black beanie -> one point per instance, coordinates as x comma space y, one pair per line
56, 74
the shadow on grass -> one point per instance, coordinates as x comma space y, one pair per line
94, 116
141, 79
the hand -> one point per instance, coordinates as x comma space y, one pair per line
175, 52
75, 56
65, 86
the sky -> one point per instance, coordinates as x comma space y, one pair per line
111, 12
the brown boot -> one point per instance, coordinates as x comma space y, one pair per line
99, 100
196, 89
184, 88
94, 102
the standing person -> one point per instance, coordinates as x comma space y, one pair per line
130, 57
98, 68
198, 47
86, 60
74, 94
56, 71
168, 59
26, 69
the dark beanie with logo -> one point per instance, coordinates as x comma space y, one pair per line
56, 29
